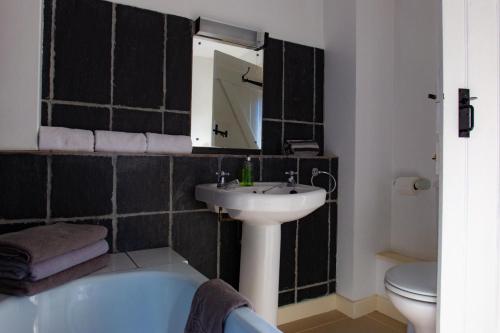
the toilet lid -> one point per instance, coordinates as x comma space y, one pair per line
419, 278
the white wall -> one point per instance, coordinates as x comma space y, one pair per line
293, 20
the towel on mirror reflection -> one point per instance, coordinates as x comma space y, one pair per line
29, 288
212, 303
168, 144
33, 245
121, 142
10, 269
65, 139
301, 148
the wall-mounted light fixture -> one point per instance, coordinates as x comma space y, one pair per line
226, 33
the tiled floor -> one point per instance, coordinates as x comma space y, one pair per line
336, 322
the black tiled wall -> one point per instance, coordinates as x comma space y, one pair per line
110, 66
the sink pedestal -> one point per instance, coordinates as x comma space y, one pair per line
260, 266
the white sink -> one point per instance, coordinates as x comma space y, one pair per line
263, 203
262, 208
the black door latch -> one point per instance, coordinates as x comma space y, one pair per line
465, 113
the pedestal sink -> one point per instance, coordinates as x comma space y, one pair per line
262, 208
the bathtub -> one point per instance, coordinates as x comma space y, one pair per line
139, 301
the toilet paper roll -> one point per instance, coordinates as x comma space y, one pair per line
406, 185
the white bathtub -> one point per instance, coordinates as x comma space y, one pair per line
138, 301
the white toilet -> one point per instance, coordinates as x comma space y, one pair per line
412, 289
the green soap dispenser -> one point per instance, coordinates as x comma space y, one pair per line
246, 173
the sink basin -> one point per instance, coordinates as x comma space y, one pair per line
262, 208
263, 203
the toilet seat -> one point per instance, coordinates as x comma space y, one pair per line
417, 281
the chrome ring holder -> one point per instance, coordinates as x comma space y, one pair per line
316, 172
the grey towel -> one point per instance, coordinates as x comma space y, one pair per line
28, 288
212, 303
44, 242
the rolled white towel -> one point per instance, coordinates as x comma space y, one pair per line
121, 142
173, 144
65, 139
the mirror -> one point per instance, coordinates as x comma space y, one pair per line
226, 95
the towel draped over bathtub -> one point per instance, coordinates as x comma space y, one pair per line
212, 303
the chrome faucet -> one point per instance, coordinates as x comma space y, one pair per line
291, 179
221, 178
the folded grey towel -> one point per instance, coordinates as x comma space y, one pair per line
28, 288
301, 147
37, 244
212, 303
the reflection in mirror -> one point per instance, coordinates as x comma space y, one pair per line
227, 95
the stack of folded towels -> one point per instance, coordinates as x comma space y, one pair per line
36, 259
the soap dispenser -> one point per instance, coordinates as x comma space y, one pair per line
246, 173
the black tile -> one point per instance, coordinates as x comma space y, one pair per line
295, 131
83, 51
335, 172
312, 292
230, 251
178, 63
234, 166
274, 168
319, 86
142, 232
319, 138
299, 82
189, 172
138, 63
333, 241
307, 164
286, 298
44, 119
271, 138
176, 123
47, 38
14, 227
107, 223
81, 186
194, 237
82, 117
142, 184
313, 247
24, 186
137, 121
287, 255
273, 79
332, 287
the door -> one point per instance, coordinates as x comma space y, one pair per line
469, 252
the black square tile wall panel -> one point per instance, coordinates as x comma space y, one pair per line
319, 137
83, 51
82, 117
334, 164
15, 227
234, 166
306, 165
271, 138
333, 240
273, 169
332, 287
44, 114
230, 251
312, 292
194, 236
142, 232
299, 82
286, 298
81, 186
178, 63
47, 38
319, 85
142, 184
189, 172
313, 247
23, 180
138, 67
287, 255
296, 131
137, 121
177, 123
273, 79
107, 223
